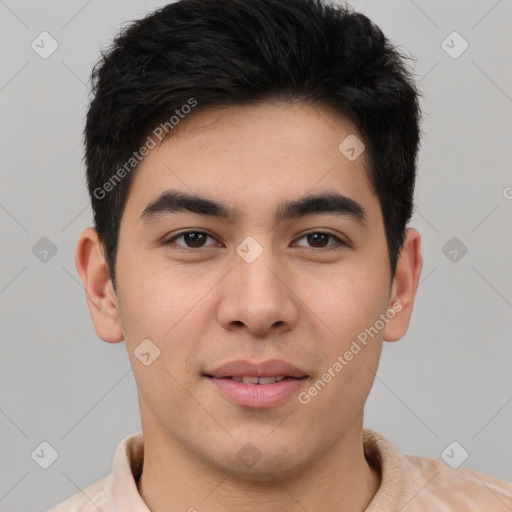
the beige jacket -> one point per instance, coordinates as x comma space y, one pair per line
409, 483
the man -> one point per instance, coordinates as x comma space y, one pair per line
251, 166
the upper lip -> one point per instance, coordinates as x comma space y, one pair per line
265, 369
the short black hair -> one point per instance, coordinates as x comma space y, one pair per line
193, 54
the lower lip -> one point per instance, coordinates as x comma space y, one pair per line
258, 396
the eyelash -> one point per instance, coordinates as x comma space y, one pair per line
338, 246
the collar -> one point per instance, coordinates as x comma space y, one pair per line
122, 495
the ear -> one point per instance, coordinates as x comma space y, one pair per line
405, 284
100, 294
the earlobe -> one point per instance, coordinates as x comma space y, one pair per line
405, 284
100, 295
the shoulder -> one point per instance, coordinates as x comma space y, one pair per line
417, 484
90, 499
118, 488
459, 489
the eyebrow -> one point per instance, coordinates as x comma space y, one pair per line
173, 201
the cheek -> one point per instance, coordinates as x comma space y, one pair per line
157, 299
149, 310
156, 309
353, 309
347, 306
345, 302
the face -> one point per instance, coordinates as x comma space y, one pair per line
287, 290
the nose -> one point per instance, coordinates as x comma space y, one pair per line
259, 295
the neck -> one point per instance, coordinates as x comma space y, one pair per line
341, 479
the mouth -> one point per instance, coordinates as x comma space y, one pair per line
242, 369
254, 380
257, 386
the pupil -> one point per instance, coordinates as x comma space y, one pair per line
194, 239
317, 237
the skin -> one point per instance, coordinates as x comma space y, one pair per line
296, 301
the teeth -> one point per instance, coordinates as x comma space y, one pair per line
250, 380
259, 380
267, 380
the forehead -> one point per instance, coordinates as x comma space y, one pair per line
254, 154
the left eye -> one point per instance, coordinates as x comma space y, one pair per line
319, 237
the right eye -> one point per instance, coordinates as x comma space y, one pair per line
192, 239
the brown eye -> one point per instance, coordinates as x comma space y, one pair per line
191, 239
319, 240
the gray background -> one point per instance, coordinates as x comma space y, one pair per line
448, 380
